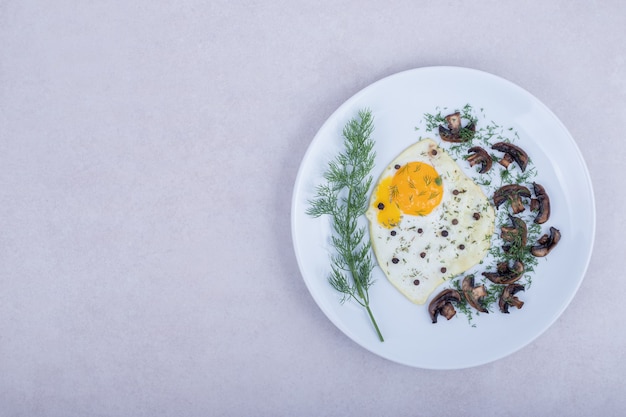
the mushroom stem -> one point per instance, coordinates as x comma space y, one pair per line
546, 243
508, 298
442, 304
454, 132
506, 160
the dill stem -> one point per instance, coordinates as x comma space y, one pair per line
366, 301
369, 311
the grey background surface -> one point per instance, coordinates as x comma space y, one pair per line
148, 151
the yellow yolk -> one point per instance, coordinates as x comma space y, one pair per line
414, 189
388, 210
417, 188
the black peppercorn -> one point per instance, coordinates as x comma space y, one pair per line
395, 260
381, 206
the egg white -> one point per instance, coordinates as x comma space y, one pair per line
412, 259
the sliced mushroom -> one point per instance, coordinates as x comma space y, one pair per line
516, 235
506, 274
540, 203
474, 294
442, 304
455, 132
508, 298
511, 153
512, 193
480, 156
546, 243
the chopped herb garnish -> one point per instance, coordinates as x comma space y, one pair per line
488, 132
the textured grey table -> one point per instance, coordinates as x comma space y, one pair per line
148, 151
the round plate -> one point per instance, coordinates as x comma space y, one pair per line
398, 104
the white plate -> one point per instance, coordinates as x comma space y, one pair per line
398, 104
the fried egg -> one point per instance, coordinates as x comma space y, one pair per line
428, 221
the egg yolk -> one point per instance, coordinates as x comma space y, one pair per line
416, 189
388, 211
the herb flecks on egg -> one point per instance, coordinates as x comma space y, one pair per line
430, 203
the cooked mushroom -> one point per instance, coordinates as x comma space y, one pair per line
516, 235
442, 304
511, 153
540, 203
546, 243
480, 156
505, 274
508, 298
513, 193
474, 294
455, 132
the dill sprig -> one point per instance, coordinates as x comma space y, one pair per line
344, 198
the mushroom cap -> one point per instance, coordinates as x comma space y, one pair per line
480, 156
506, 274
546, 243
454, 132
540, 203
512, 193
442, 304
474, 294
515, 152
454, 121
517, 234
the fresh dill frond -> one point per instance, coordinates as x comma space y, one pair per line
344, 197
